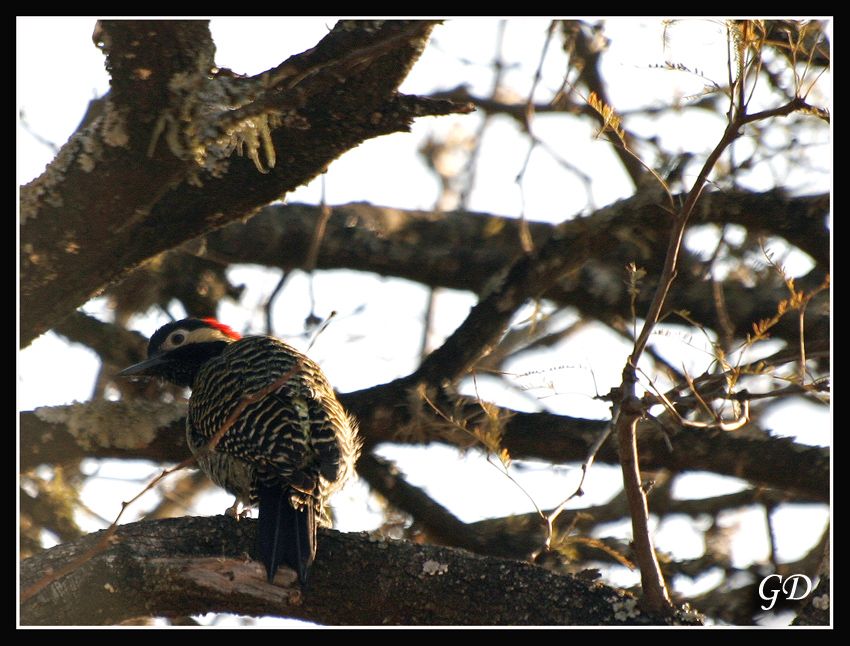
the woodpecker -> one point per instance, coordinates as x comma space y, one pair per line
286, 452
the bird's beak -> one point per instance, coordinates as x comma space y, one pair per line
143, 368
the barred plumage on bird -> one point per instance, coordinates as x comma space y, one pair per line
286, 452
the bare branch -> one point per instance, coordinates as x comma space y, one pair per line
59, 434
178, 567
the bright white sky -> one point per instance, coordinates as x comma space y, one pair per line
60, 70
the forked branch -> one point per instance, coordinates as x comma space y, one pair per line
629, 408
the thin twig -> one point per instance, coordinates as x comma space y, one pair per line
270, 301
579, 491
471, 163
489, 450
771, 535
313, 254
428, 324
525, 235
803, 306
321, 329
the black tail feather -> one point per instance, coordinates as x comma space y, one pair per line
285, 535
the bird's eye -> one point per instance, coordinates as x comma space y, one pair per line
177, 338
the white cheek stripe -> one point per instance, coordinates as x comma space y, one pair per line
201, 335
206, 334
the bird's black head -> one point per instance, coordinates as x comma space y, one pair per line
178, 350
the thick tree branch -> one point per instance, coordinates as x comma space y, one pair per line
466, 250
184, 566
387, 414
144, 177
114, 344
140, 430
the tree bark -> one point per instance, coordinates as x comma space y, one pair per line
158, 168
178, 567
143, 431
